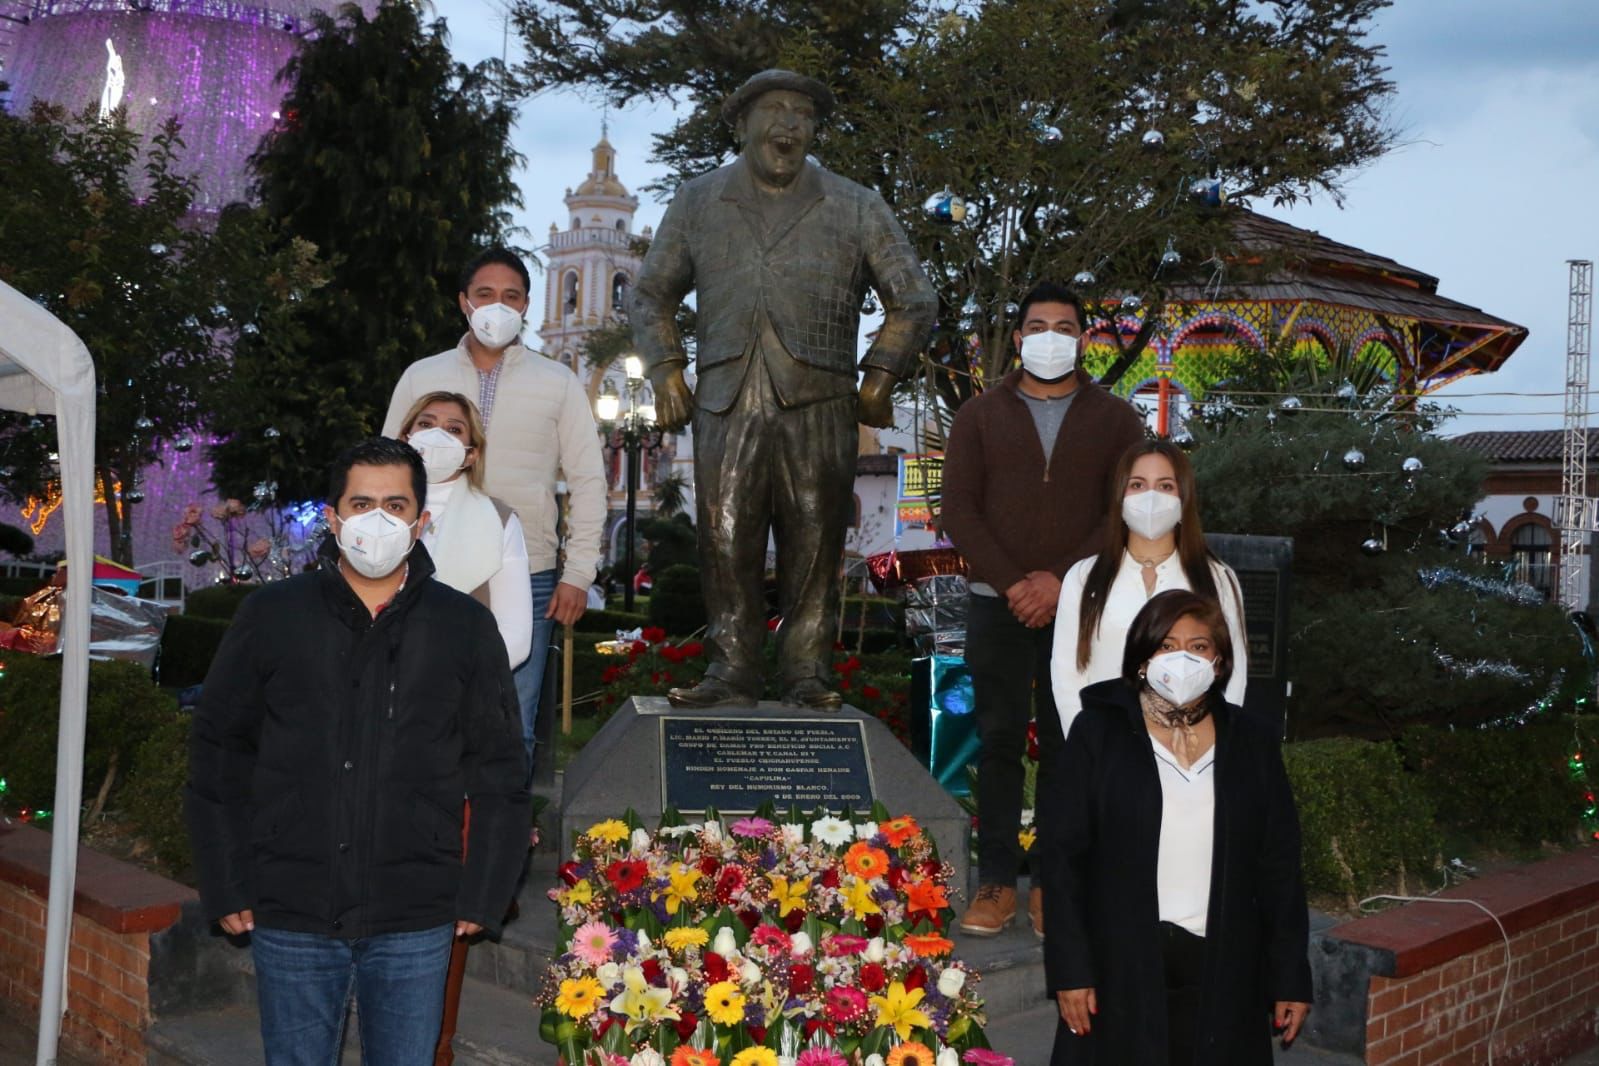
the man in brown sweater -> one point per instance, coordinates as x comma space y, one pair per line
1024, 496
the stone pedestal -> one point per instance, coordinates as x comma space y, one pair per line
622, 767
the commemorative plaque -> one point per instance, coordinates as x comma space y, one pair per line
737, 764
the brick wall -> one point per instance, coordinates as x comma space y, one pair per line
1436, 972
108, 997
115, 910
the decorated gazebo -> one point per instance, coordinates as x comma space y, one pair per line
1286, 286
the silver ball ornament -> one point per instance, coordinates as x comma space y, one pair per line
1290, 404
251, 328
1153, 140
143, 423
134, 495
1049, 135
262, 490
1170, 257
1412, 466
868, 305
199, 558
1347, 391
158, 249
242, 573
272, 433
1354, 459
1184, 440
1131, 302
184, 443
1372, 546
1084, 279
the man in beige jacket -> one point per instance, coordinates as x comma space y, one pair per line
540, 429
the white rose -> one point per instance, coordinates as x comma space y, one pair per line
951, 981
1027, 816
650, 1057
750, 974
725, 942
713, 832
874, 949
865, 830
948, 1057
875, 1060
644, 944
801, 944
609, 974
640, 841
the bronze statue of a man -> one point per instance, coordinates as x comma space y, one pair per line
781, 253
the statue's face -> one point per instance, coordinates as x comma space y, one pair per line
776, 131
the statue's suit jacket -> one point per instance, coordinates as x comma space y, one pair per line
805, 258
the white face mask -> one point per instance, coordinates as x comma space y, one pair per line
1152, 514
1049, 356
442, 454
374, 543
1180, 676
495, 325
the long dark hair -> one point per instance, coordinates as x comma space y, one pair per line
1191, 550
1155, 620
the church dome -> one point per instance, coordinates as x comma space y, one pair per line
602, 180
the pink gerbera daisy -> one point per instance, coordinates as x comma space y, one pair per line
751, 827
821, 1056
593, 942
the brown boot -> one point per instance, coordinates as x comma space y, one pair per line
1035, 910
990, 912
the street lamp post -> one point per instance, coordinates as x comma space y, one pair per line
638, 431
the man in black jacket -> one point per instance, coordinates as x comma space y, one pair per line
347, 714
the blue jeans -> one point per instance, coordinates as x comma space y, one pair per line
303, 982
529, 676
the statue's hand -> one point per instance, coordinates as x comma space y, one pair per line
674, 400
877, 398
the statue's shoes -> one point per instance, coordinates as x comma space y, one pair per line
711, 692
812, 693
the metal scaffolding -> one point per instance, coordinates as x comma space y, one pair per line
1575, 513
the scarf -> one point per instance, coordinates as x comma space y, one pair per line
1180, 720
467, 535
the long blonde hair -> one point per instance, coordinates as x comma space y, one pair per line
476, 437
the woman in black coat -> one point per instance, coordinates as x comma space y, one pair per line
1154, 960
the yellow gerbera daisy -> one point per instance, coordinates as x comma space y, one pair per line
578, 997
755, 1056
612, 831
725, 1003
686, 937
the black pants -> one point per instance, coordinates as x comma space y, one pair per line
1185, 966
1010, 679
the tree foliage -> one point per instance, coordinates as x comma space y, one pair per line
1034, 112
394, 161
1376, 643
96, 227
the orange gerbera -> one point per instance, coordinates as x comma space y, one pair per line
898, 830
865, 861
929, 945
925, 896
687, 1056
911, 1054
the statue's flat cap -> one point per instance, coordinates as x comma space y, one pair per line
768, 80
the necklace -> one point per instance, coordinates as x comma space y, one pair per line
1150, 564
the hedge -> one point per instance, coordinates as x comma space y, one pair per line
677, 604
219, 602
152, 800
1503, 787
1364, 822
124, 706
188, 645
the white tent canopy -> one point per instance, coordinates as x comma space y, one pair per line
44, 367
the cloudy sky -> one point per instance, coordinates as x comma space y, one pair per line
1493, 189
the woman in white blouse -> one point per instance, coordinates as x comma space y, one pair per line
475, 540
1153, 542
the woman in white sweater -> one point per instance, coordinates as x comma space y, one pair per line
475, 540
1153, 542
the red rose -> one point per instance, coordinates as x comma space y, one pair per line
874, 924
830, 877
773, 623
715, 967
750, 918
800, 979
795, 919
873, 978
671, 654
686, 1025
709, 866
917, 978
895, 877
757, 1032
693, 649
652, 971
812, 1025
639, 647
871, 692
932, 868
653, 634
567, 871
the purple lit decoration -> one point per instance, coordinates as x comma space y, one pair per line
211, 63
